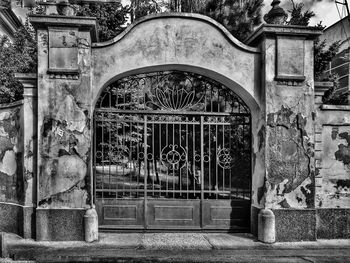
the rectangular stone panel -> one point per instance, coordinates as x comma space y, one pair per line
333, 223
60, 224
295, 225
290, 58
62, 38
63, 49
10, 218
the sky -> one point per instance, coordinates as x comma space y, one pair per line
325, 10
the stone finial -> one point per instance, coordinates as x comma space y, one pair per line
65, 8
277, 15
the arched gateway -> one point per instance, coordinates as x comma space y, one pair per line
176, 103
172, 150
173, 124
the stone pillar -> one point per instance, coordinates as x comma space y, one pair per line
29, 111
288, 100
64, 124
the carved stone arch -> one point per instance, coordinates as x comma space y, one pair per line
229, 83
179, 41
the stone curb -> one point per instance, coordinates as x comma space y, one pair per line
9, 260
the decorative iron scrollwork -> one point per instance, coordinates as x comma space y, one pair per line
171, 91
225, 159
174, 156
174, 99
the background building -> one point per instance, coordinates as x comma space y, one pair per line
340, 65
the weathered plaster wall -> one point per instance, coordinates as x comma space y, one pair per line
333, 169
64, 113
11, 150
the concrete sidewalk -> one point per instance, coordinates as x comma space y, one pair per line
177, 247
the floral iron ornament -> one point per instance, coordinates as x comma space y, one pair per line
174, 99
172, 91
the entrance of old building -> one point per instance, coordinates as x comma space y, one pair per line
172, 150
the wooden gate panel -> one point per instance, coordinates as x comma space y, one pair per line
226, 214
121, 214
173, 214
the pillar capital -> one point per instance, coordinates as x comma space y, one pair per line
29, 82
82, 23
272, 31
288, 49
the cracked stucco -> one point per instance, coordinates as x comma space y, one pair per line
64, 127
334, 174
289, 157
11, 183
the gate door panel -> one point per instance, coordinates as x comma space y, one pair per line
172, 150
127, 213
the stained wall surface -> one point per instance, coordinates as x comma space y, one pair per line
64, 118
333, 164
11, 179
11, 149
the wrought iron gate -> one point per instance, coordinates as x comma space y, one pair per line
172, 150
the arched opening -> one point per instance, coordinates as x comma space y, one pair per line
172, 150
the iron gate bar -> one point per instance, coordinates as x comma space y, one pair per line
202, 168
145, 171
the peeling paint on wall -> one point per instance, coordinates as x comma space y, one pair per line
11, 183
334, 190
290, 176
64, 124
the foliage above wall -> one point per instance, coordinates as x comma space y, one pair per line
111, 18
19, 56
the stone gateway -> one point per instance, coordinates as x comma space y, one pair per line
174, 124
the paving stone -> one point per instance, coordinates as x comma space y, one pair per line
175, 241
129, 240
227, 241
